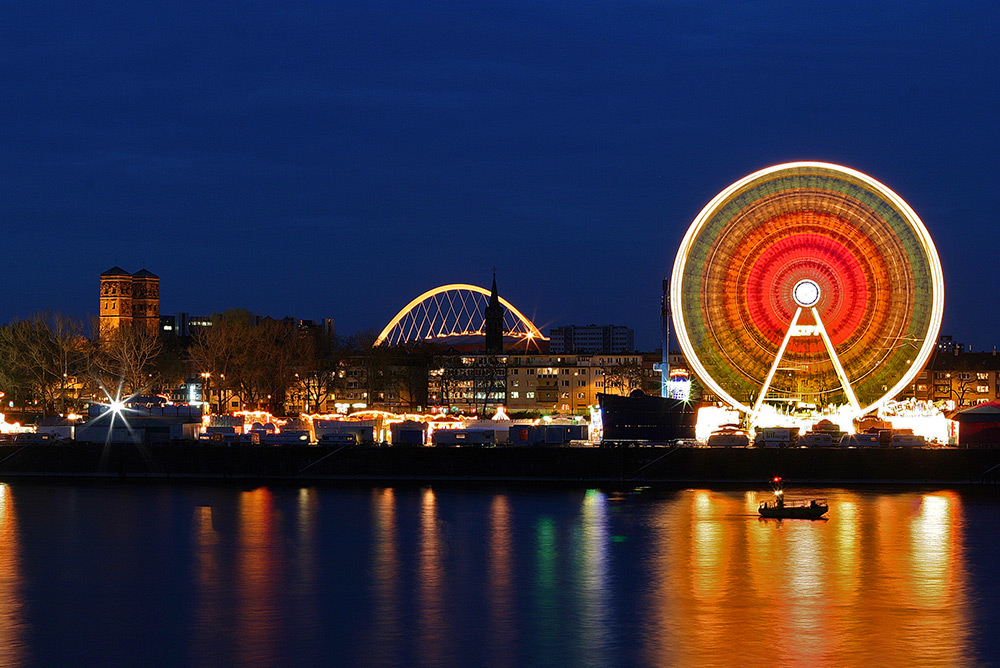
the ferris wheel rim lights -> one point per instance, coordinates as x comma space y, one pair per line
807, 292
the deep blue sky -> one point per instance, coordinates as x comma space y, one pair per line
330, 159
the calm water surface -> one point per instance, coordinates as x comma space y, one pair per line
186, 575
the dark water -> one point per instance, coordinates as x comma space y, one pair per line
150, 575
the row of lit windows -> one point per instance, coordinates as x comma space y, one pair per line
548, 361
964, 375
565, 383
531, 395
946, 389
551, 373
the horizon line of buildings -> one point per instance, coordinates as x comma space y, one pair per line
567, 376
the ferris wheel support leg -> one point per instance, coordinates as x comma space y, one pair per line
852, 399
774, 367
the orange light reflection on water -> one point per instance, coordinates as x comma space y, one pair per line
12, 625
879, 583
432, 641
386, 627
259, 566
208, 609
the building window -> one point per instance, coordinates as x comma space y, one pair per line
514, 395
529, 395
565, 395
965, 376
581, 383
946, 389
581, 395
565, 383
982, 389
940, 375
513, 371
982, 375
514, 383
531, 372
921, 388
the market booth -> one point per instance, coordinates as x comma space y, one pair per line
979, 425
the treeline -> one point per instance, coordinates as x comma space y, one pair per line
51, 359
60, 363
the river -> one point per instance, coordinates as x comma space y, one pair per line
132, 574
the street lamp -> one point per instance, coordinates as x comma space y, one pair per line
206, 390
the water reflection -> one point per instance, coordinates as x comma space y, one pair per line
209, 611
383, 645
420, 577
259, 565
938, 573
500, 581
546, 609
12, 625
882, 582
431, 577
595, 586
307, 569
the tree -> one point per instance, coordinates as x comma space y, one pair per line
42, 356
172, 367
451, 374
490, 380
256, 362
960, 387
622, 377
375, 366
220, 350
321, 355
123, 357
276, 351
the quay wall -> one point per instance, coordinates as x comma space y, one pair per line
584, 464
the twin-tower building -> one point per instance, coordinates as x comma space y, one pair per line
130, 300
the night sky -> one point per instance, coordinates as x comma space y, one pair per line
334, 159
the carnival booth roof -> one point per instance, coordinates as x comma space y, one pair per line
988, 412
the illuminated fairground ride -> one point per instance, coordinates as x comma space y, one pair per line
453, 311
806, 286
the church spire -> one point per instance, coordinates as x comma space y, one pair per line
493, 315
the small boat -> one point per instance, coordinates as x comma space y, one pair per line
792, 510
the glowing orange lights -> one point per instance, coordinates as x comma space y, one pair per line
452, 310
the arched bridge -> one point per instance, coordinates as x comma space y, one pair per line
450, 311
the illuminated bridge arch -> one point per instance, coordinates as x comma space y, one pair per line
451, 311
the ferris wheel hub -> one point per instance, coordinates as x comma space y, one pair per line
806, 293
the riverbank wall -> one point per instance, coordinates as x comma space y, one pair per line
639, 465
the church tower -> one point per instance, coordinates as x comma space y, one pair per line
130, 300
146, 301
116, 299
493, 315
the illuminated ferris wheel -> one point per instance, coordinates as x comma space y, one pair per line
807, 284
